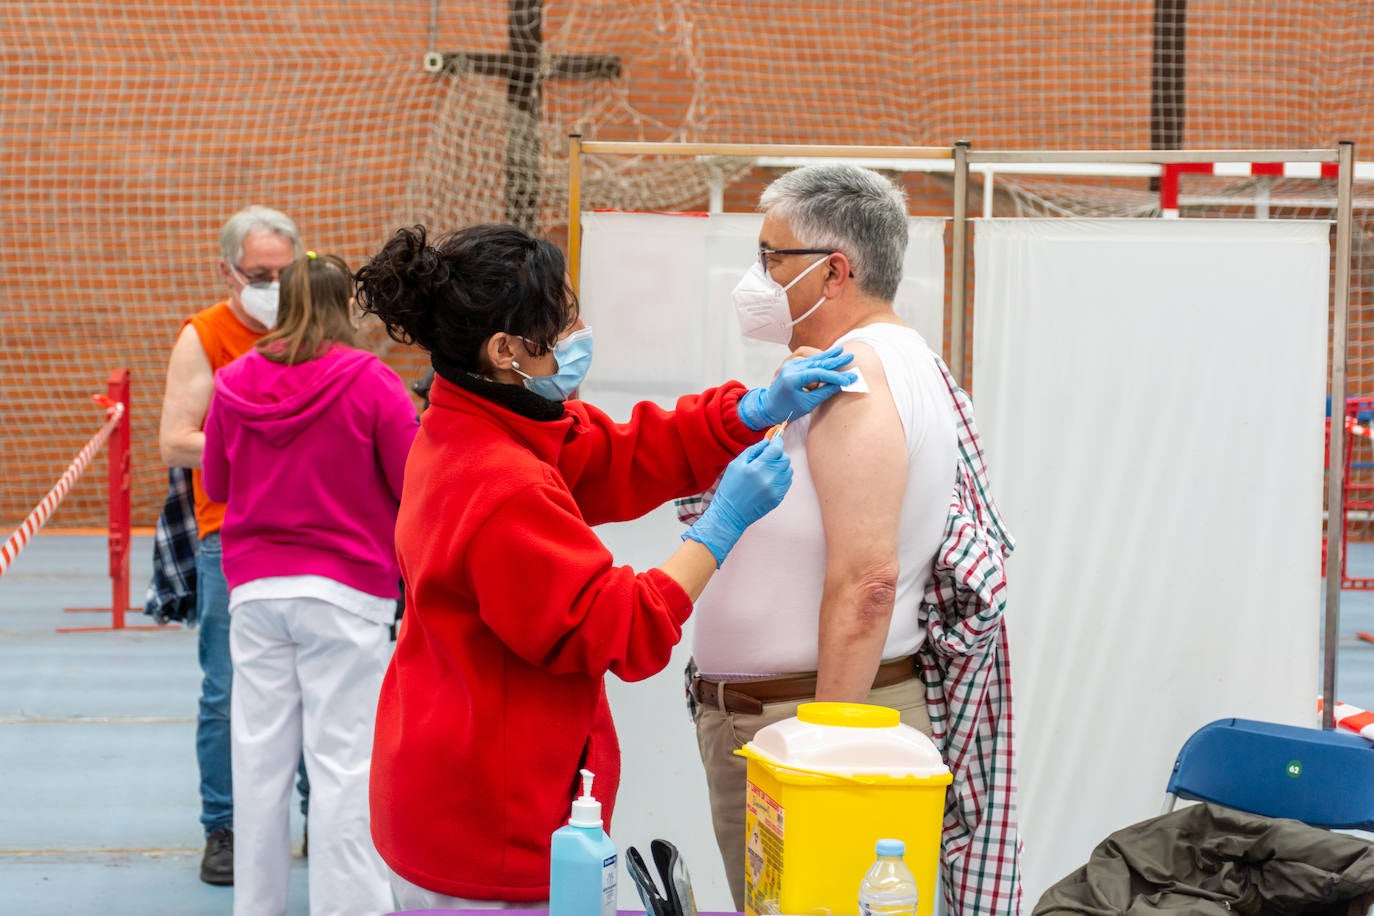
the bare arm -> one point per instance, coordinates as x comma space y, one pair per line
857, 452
190, 385
692, 565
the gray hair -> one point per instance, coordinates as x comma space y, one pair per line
255, 219
852, 210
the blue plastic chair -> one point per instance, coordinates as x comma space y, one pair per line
1322, 778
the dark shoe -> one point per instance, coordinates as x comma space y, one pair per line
217, 866
305, 841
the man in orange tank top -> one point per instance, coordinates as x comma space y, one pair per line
256, 245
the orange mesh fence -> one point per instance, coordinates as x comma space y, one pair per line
130, 129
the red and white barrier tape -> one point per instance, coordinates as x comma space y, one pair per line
45, 507
1355, 429
1357, 720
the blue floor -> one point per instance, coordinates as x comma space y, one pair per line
99, 809
1355, 656
98, 799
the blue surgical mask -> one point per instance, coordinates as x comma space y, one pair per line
574, 356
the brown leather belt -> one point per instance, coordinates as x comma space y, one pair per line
748, 697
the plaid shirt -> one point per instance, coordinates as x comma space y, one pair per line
967, 674
172, 590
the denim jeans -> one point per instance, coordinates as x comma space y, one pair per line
212, 724
217, 671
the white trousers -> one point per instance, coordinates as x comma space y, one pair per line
306, 676
414, 897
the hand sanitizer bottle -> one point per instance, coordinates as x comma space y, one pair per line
582, 868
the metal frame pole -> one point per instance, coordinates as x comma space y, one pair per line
651, 148
575, 209
1335, 482
958, 264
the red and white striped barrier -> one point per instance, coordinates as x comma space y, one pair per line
45, 507
1357, 720
1169, 174
1355, 429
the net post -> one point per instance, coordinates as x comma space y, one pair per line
120, 491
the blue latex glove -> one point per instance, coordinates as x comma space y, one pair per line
788, 397
752, 485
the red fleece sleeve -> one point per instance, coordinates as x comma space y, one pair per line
547, 586
619, 471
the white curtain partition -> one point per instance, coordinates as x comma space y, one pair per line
656, 288
1152, 398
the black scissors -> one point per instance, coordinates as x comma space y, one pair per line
677, 898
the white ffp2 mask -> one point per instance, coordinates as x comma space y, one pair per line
260, 302
761, 305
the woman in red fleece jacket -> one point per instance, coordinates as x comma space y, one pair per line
306, 442
515, 610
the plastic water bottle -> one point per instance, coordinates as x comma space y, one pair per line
889, 888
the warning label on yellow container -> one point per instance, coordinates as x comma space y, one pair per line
763, 843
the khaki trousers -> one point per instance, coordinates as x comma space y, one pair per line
720, 734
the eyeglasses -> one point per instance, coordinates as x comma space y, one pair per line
261, 280
765, 253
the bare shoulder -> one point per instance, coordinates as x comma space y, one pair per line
854, 411
188, 339
190, 380
188, 355
866, 360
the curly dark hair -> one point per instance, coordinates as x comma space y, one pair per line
449, 297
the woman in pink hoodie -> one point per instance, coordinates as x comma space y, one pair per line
306, 441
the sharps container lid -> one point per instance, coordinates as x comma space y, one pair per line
852, 739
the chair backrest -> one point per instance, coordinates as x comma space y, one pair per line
1323, 778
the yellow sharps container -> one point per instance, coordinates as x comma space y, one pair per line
824, 787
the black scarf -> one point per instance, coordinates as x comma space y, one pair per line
515, 398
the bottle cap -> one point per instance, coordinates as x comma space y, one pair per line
891, 848
586, 811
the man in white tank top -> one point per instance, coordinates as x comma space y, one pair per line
819, 599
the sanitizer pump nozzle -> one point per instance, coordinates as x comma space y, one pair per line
586, 811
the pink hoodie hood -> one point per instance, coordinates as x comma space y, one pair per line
279, 401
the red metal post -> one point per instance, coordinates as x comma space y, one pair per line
121, 508
121, 513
